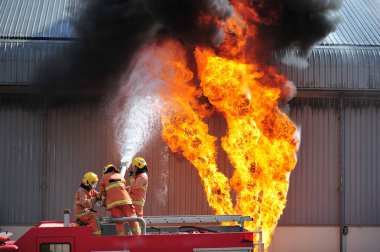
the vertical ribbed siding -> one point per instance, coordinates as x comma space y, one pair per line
60, 143
20, 169
329, 67
313, 194
37, 18
362, 119
336, 68
157, 156
174, 184
21, 61
41, 18
78, 141
359, 24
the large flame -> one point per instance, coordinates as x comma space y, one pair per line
260, 142
186, 133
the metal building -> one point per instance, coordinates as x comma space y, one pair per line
45, 150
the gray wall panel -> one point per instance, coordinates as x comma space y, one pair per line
40, 18
77, 142
21, 61
362, 138
359, 24
37, 18
313, 194
329, 67
59, 144
344, 68
20, 171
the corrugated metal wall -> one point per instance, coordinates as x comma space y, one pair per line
313, 196
174, 185
71, 140
329, 68
50, 19
78, 140
21, 149
362, 137
359, 24
55, 145
38, 18
20, 61
353, 68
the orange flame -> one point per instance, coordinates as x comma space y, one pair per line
186, 133
260, 142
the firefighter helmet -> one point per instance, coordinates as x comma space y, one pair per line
89, 179
139, 162
107, 167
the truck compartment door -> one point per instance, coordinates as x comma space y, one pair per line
56, 244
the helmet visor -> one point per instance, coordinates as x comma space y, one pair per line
94, 184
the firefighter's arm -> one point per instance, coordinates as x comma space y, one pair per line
102, 191
97, 196
85, 201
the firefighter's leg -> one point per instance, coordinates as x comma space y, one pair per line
129, 211
93, 223
139, 210
90, 219
118, 213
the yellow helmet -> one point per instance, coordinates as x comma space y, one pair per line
105, 169
89, 178
139, 162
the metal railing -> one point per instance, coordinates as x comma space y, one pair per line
188, 219
181, 219
126, 219
260, 243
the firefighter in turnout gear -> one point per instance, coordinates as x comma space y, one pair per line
85, 199
138, 181
117, 199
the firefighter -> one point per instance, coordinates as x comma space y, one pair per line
85, 199
117, 199
138, 181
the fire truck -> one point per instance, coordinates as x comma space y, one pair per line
191, 233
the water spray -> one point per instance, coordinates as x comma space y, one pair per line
135, 126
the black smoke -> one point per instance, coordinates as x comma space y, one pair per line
295, 24
110, 32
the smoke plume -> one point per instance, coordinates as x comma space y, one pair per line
293, 24
111, 31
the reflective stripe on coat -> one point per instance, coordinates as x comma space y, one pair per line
112, 190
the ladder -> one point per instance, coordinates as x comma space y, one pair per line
181, 219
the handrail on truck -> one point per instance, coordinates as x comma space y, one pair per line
188, 219
125, 219
260, 243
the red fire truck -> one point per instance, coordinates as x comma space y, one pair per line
197, 233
